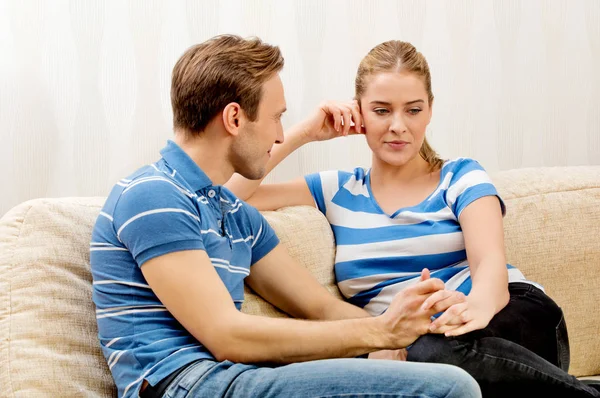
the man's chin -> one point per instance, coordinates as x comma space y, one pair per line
253, 174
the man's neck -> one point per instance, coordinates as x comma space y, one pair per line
209, 153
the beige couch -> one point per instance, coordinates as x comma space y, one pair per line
48, 344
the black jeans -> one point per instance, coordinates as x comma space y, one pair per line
523, 352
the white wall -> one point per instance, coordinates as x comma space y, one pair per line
84, 85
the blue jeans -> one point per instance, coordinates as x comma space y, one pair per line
523, 352
325, 378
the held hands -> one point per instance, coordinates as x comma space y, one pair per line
333, 119
407, 317
463, 318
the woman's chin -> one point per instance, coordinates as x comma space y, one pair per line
397, 160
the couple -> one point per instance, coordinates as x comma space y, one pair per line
420, 254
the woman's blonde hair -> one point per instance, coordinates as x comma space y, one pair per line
398, 56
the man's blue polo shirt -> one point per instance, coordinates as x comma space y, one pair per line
165, 207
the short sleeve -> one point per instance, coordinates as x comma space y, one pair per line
156, 218
265, 238
315, 186
469, 183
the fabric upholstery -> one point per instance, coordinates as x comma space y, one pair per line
48, 335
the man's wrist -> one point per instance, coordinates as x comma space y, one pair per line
382, 337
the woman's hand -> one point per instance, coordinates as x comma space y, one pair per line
332, 119
463, 318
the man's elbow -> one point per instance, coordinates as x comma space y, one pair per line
223, 342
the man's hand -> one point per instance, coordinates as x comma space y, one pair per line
332, 119
406, 319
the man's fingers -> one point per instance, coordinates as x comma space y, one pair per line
450, 317
427, 287
446, 328
439, 301
435, 298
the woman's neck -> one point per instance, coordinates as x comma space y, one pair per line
384, 174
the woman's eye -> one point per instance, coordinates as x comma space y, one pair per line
414, 111
380, 111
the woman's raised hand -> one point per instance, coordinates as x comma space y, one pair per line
333, 119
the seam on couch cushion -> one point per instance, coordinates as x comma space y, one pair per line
549, 193
10, 266
503, 179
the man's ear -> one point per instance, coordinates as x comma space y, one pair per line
233, 116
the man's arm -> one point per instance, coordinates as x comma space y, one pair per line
281, 281
188, 285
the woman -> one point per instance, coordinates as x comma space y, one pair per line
412, 210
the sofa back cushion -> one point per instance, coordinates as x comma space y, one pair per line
552, 234
48, 334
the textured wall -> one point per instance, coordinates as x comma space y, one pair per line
84, 85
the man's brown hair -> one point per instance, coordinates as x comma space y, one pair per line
212, 74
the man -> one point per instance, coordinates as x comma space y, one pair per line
172, 248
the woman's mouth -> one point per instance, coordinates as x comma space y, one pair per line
396, 144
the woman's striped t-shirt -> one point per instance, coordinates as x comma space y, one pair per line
380, 254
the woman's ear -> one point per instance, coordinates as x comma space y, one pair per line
232, 114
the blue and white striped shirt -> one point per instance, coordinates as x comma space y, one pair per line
378, 254
165, 207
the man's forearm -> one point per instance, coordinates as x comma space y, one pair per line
261, 339
339, 309
244, 188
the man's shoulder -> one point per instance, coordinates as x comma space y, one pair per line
150, 190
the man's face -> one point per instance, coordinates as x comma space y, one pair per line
251, 150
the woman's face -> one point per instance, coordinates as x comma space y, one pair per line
396, 112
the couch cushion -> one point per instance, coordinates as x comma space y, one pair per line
48, 333
552, 232
309, 239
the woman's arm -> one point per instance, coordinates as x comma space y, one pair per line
481, 223
331, 120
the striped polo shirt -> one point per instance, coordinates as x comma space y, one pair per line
379, 254
165, 207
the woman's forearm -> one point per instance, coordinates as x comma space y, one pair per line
490, 284
244, 188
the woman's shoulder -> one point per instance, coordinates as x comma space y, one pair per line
461, 163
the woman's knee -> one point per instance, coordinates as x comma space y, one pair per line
436, 348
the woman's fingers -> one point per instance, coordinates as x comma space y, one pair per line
451, 316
